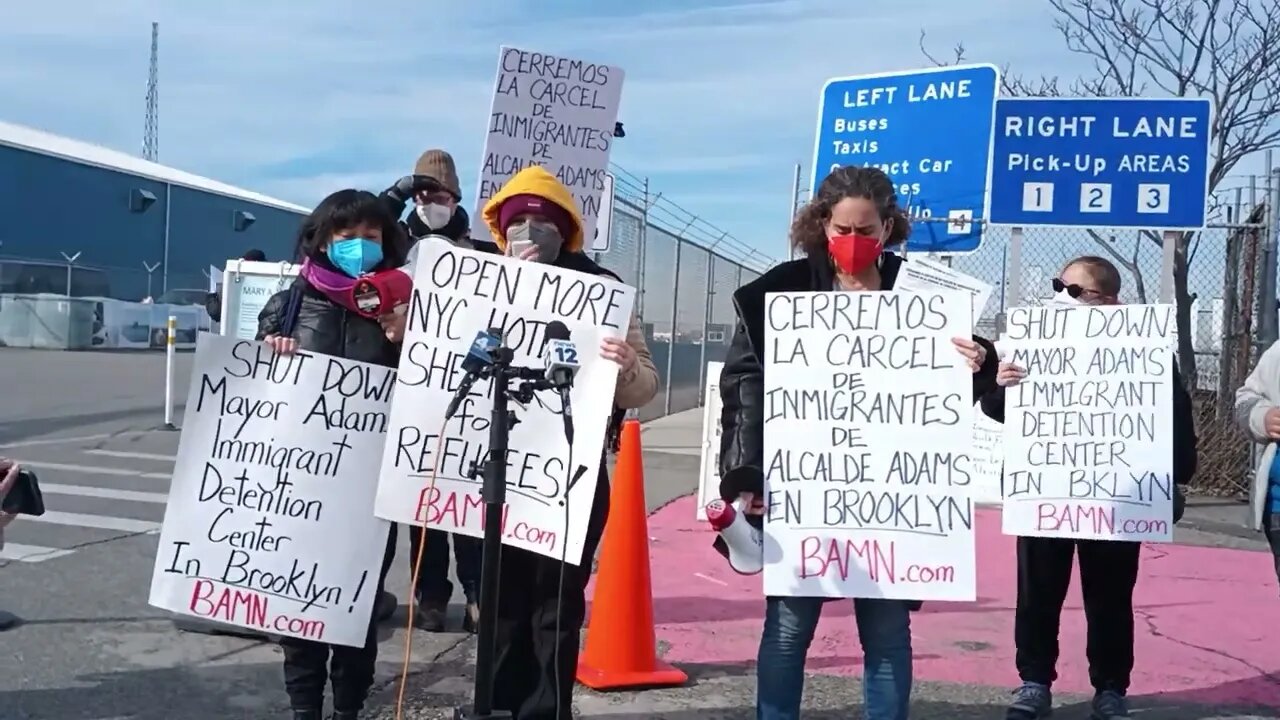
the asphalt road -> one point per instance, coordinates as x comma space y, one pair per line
91, 648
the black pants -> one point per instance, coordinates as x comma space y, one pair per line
1108, 573
528, 682
1271, 528
307, 664
434, 587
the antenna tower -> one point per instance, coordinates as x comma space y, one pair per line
151, 133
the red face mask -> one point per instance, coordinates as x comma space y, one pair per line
854, 253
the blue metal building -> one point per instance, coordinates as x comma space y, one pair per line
122, 214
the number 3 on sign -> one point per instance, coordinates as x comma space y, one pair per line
1153, 198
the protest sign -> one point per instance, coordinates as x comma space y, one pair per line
1088, 435
270, 521
709, 476
868, 413
554, 112
246, 287
427, 476
923, 275
987, 457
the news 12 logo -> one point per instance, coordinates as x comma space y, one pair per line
564, 352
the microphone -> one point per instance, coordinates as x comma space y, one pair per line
478, 358
560, 356
381, 292
743, 543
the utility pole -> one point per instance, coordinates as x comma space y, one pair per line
151, 129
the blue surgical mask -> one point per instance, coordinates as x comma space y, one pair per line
355, 256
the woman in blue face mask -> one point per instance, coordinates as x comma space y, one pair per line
349, 234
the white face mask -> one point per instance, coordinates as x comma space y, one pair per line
435, 215
1064, 299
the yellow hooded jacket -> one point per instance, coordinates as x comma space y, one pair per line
535, 180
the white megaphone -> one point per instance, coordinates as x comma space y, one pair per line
743, 542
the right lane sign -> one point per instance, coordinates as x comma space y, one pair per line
1112, 162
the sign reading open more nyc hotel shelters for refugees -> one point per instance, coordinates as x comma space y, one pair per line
457, 293
1088, 435
868, 421
555, 112
270, 522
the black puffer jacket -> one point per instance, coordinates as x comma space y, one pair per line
742, 380
322, 326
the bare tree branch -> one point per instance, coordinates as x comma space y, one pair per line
1225, 50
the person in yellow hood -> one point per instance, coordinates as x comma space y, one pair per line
540, 612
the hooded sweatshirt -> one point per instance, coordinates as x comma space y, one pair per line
535, 180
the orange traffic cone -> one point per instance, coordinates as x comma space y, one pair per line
621, 649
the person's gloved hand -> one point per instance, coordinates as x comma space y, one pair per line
410, 185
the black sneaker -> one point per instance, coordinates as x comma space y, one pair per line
1032, 701
1110, 705
430, 617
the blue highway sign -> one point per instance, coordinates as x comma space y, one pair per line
1122, 162
930, 130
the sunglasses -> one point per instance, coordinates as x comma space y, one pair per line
1073, 289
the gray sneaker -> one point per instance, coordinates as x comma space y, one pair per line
1032, 701
1110, 705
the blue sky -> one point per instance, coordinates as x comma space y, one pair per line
719, 101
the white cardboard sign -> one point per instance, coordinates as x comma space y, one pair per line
1088, 435
458, 293
868, 425
555, 112
709, 476
246, 287
270, 522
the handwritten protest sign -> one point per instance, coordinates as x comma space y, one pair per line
987, 458
709, 461
457, 293
270, 521
868, 419
923, 275
554, 112
1088, 435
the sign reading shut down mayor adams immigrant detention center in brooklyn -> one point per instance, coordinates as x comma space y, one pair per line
1089, 433
426, 475
868, 420
930, 131
554, 112
270, 521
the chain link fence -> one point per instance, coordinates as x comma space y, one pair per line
685, 271
1226, 300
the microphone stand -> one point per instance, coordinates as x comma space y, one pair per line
494, 493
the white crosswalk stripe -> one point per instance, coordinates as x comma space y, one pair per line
30, 553
91, 496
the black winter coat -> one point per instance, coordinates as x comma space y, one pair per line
742, 380
322, 326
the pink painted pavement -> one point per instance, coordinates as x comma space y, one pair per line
1208, 619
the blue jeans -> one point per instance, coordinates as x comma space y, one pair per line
884, 629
